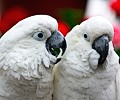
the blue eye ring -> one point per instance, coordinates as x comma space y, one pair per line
40, 36
86, 36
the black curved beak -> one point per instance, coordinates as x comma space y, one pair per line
101, 45
56, 44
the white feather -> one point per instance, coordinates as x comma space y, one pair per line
23, 60
78, 76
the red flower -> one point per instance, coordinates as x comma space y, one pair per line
11, 17
115, 5
116, 38
63, 27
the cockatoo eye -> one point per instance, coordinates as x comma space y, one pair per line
86, 37
39, 36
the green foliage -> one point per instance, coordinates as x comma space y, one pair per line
71, 16
118, 52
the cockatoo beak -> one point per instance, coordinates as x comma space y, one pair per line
101, 45
56, 44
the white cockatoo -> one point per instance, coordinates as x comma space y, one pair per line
28, 52
89, 69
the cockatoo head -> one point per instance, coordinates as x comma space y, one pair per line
40, 30
94, 33
31, 42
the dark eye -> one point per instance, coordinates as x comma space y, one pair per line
39, 36
86, 37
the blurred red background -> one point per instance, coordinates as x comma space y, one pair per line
67, 12
64, 11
